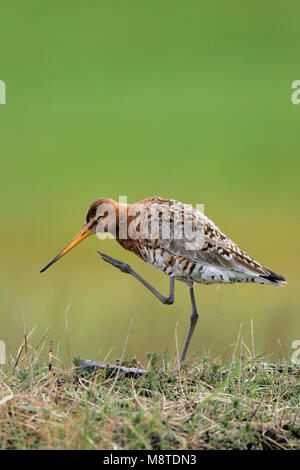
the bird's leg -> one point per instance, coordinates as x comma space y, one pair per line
194, 318
125, 268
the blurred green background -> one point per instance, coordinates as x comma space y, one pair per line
188, 100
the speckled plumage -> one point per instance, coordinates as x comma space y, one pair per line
218, 260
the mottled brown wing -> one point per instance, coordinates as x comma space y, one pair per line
212, 247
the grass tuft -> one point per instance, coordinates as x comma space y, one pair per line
244, 404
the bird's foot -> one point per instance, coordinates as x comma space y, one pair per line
125, 268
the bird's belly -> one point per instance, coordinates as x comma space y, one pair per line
207, 274
189, 271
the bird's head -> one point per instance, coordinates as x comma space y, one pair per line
101, 216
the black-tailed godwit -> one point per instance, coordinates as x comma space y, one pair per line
176, 239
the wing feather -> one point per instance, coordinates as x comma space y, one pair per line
212, 247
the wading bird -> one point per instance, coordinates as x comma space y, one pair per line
154, 229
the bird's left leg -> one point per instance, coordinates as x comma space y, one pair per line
125, 268
194, 318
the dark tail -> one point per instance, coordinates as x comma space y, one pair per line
274, 278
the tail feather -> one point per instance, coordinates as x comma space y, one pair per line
275, 278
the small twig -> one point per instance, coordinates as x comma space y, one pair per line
176, 343
22, 346
41, 339
25, 338
135, 397
281, 348
67, 334
252, 338
274, 442
50, 356
237, 343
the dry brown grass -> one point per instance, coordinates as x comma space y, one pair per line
244, 404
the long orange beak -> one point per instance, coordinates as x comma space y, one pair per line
84, 233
